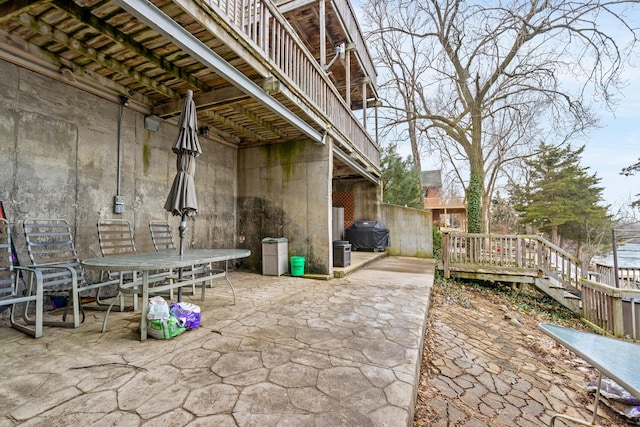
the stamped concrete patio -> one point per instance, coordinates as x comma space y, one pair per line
292, 352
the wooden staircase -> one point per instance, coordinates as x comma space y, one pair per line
520, 259
533, 260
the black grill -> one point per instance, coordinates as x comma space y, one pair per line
368, 235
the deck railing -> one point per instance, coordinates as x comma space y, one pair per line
443, 202
345, 10
261, 24
512, 251
613, 310
487, 249
628, 277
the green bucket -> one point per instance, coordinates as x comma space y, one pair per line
297, 266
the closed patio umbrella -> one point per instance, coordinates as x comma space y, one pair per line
182, 199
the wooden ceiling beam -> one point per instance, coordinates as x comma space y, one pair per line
18, 51
58, 36
11, 9
254, 118
203, 101
238, 128
85, 16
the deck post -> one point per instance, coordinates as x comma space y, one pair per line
617, 314
445, 255
323, 38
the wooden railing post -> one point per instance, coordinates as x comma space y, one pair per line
445, 255
617, 314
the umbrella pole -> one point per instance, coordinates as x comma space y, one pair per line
183, 232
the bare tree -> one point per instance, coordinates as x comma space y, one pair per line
486, 82
403, 58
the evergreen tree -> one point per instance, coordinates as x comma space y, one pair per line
561, 198
400, 180
632, 170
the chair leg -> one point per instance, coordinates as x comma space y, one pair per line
210, 281
36, 332
73, 324
99, 302
120, 297
76, 307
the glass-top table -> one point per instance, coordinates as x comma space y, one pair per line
616, 359
163, 260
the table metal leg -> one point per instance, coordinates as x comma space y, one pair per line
145, 305
578, 420
226, 276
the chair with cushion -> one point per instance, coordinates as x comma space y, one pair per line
10, 293
51, 249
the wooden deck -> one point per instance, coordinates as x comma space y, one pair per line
533, 260
257, 68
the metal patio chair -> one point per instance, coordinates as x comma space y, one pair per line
162, 238
115, 237
51, 249
161, 235
10, 293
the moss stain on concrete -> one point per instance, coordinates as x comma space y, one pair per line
282, 155
146, 156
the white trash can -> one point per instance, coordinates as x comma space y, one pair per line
275, 256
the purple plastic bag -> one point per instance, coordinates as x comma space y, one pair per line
188, 314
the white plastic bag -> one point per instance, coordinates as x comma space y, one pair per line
158, 309
161, 324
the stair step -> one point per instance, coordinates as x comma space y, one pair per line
569, 295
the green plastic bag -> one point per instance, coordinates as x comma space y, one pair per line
164, 329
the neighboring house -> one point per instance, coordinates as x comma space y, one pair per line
449, 213
91, 92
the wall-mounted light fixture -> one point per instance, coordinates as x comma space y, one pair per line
204, 131
67, 73
124, 100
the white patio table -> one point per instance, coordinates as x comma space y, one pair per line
165, 260
614, 358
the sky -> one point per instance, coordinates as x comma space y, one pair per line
616, 145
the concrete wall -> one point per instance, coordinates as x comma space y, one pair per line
368, 199
410, 231
284, 191
58, 156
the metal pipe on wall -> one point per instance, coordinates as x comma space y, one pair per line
118, 200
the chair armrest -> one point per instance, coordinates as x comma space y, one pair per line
37, 273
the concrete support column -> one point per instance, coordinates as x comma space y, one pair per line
284, 190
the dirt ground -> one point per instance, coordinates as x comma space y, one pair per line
516, 315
